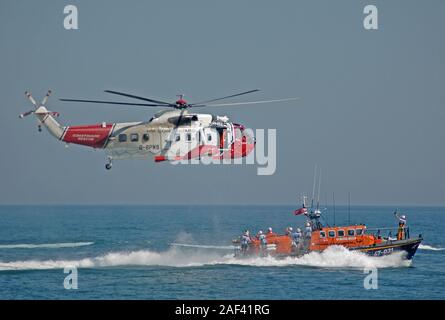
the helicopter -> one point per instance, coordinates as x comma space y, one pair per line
172, 134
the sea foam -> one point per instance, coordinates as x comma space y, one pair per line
333, 257
45, 245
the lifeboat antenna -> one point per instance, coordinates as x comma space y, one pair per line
333, 201
313, 187
349, 208
326, 206
318, 196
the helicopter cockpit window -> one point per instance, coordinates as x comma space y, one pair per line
134, 137
145, 137
122, 137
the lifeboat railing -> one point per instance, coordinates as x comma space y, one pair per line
390, 232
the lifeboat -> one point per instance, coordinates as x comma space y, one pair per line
374, 242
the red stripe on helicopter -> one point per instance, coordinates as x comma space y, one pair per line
160, 158
94, 136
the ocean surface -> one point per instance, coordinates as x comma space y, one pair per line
125, 252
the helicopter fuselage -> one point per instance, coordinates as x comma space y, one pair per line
171, 135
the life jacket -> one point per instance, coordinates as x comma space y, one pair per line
296, 236
401, 232
262, 238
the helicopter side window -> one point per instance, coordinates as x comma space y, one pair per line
122, 137
359, 232
145, 137
134, 137
331, 234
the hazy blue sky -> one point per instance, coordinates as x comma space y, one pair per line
371, 112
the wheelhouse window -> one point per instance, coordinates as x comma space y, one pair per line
189, 136
351, 232
209, 137
134, 137
178, 137
359, 232
122, 137
331, 234
145, 137
341, 233
322, 234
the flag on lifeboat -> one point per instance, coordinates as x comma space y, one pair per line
302, 210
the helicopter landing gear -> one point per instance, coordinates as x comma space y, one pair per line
109, 164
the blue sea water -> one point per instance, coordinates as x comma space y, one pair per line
124, 252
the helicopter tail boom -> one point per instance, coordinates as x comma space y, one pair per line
47, 119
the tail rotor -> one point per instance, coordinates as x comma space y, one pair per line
39, 109
36, 106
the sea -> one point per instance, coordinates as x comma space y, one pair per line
185, 252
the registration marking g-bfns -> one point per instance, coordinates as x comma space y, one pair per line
148, 147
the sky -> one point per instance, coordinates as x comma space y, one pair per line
370, 115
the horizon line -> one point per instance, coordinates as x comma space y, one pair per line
220, 204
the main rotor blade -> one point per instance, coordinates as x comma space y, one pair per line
137, 97
231, 96
119, 103
242, 103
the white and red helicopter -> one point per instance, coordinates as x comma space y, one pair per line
172, 134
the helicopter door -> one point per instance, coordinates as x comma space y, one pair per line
150, 142
165, 138
226, 137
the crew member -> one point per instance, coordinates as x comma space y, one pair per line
296, 237
263, 240
245, 241
270, 233
402, 225
308, 230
